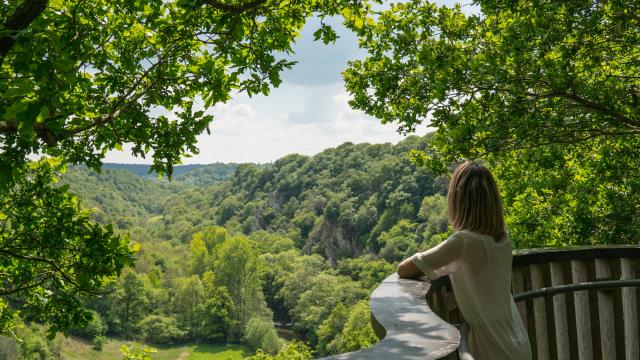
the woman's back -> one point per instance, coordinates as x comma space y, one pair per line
480, 272
482, 286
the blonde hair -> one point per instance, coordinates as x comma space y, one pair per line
474, 201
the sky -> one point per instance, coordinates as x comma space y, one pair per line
307, 113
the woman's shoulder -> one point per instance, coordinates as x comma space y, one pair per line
468, 234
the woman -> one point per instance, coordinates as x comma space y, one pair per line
477, 258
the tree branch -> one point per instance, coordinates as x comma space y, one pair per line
21, 18
232, 7
41, 260
24, 287
601, 109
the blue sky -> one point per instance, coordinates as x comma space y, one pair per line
306, 114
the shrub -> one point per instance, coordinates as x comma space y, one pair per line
160, 329
260, 334
98, 342
95, 327
294, 350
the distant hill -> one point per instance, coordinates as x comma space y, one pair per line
127, 195
143, 170
203, 175
194, 174
119, 196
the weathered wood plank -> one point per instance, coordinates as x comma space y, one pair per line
540, 313
618, 315
593, 311
583, 316
571, 311
550, 313
630, 312
605, 313
531, 321
560, 311
518, 286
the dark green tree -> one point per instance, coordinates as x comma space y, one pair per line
129, 301
546, 91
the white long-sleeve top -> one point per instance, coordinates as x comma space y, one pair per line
480, 271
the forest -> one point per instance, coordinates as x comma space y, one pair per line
228, 251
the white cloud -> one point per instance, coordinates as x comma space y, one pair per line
263, 129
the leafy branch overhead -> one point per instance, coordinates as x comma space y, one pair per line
521, 76
80, 78
546, 91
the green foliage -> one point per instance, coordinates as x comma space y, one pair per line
218, 315
117, 196
294, 350
575, 197
188, 304
82, 78
328, 203
98, 342
357, 332
133, 77
260, 334
329, 341
129, 303
398, 242
131, 352
346, 329
539, 68
316, 303
236, 268
205, 175
200, 258
213, 285
158, 329
95, 327
368, 271
547, 92
271, 243
434, 217
29, 342
51, 253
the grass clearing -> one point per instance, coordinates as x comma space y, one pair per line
78, 349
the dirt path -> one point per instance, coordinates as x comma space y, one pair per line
183, 356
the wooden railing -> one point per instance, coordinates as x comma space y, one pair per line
576, 303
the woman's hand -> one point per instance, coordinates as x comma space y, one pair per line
408, 270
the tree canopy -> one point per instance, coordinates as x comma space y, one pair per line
547, 91
81, 78
520, 75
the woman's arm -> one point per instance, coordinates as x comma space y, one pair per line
408, 270
438, 261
